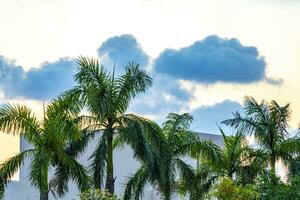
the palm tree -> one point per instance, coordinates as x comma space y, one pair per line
199, 185
179, 142
49, 139
107, 99
268, 122
237, 159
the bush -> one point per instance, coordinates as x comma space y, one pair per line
269, 185
95, 194
227, 189
271, 188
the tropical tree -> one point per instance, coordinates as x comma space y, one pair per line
268, 122
237, 159
200, 184
49, 139
179, 142
107, 98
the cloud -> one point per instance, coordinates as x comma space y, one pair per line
212, 60
166, 95
274, 81
45, 82
207, 118
208, 61
121, 50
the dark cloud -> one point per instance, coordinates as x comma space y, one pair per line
45, 82
211, 60
207, 118
120, 50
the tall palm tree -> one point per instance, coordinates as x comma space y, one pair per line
107, 98
49, 139
268, 122
179, 142
237, 159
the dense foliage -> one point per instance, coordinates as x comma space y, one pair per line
271, 187
179, 141
227, 189
96, 194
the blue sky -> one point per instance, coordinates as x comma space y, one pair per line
208, 61
204, 56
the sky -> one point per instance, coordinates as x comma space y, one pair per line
204, 56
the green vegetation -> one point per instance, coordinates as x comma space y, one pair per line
227, 189
237, 159
107, 99
236, 171
179, 141
96, 194
49, 139
268, 122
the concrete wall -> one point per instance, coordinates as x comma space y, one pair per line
125, 166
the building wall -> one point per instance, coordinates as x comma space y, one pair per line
125, 166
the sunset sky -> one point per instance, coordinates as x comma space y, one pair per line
204, 56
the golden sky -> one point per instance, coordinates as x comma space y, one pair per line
35, 31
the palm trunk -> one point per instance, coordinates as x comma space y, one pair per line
110, 181
44, 187
167, 197
166, 192
272, 164
44, 195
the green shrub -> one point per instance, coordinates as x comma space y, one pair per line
269, 185
227, 189
271, 188
95, 194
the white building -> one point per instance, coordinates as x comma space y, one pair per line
124, 167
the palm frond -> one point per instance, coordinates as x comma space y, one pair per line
77, 147
68, 169
17, 119
186, 172
2, 187
134, 187
290, 146
246, 124
11, 166
38, 170
144, 137
134, 81
98, 159
199, 185
97, 88
176, 122
202, 148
